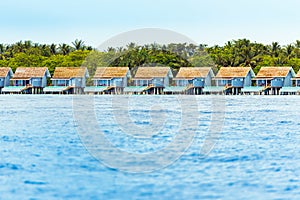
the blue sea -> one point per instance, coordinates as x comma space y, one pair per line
149, 147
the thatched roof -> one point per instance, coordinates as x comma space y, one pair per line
30, 72
193, 72
234, 72
4, 71
153, 72
111, 72
70, 72
272, 72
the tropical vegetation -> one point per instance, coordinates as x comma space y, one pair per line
241, 52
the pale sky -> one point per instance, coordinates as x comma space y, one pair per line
95, 21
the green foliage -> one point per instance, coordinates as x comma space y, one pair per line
149, 56
256, 69
295, 63
240, 52
53, 61
25, 60
75, 59
202, 59
3, 63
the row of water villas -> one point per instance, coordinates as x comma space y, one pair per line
150, 80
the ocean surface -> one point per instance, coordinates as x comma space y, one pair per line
149, 147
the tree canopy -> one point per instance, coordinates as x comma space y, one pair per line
241, 52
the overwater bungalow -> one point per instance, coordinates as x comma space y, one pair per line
109, 80
150, 80
297, 79
5, 75
231, 80
29, 80
274, 78
191, 80
295, 88
69, 80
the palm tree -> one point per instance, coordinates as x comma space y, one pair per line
36, 45
18, 47
297, 45
27, 44
120, 49
250, 53
45, 50
297, 49
79, 44
275, 49
2, 51
111, 49
131, 46
289, 51
202, 47
2, 48
53, 49
89, 48
64, 49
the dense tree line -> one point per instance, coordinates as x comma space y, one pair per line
243, 52
240, 52
29, 54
